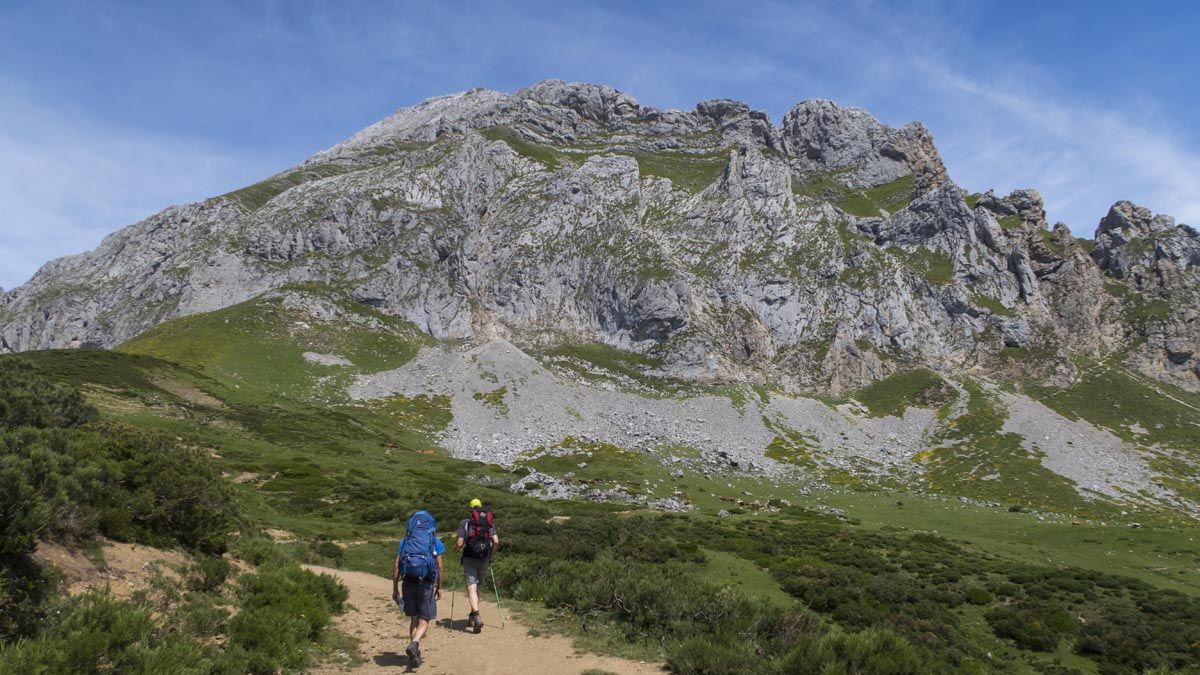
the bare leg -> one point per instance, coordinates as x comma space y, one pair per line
413, 624
418, 628
473, 596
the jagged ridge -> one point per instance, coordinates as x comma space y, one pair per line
820, 254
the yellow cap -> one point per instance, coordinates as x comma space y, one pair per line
476, 503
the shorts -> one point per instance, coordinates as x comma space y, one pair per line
474, 569
420, 599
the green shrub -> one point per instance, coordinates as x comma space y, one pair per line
123, 483
977, 595
330, 550
198, 616
208, 574
25, 591
99, 633
295, 592
701, 655
29, 400
282, 611
1033, 627
64, 475
269, 639
872, 651
168, 493
259, 551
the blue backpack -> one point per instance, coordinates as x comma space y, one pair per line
417, 561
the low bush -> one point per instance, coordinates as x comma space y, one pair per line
875, 651
64, 475
1038, 627
208, 574
98, 633
283, 610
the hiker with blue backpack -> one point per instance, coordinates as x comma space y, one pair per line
419, 566
477, 540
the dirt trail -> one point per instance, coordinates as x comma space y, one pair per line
383, 630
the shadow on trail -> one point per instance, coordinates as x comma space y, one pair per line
391, 660
458, 625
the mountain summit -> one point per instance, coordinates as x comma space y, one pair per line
820, 254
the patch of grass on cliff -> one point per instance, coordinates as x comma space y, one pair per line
936, 267
992, 305
893, 395
1050, 243
690, 172
1136, 307
526, 148
1010, 222
254, 197
867, 203
1139, 310
823, 186
890, 197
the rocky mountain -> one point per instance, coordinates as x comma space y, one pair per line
820, 254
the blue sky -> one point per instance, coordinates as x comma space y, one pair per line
111, 111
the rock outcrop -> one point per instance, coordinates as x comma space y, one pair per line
820, 254
1158, 266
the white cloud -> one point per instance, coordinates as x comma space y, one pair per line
65, 182
1082, 157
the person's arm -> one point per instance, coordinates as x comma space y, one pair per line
439, 579
459, 544
396, 578
462, 537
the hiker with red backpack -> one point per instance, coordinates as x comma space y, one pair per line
419, 565
477, 540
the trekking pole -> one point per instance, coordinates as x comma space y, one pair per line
450, 626
497, 590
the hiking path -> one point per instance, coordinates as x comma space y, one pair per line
375, 620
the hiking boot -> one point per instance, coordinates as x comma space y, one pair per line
414, 654
475, 622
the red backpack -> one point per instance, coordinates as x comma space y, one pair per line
479, 534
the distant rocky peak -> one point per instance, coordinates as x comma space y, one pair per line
1026, 204
830, 137
594, 102
1131, 239
718, 109
818, 135
1126, 219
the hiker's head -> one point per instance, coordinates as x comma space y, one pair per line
475, 503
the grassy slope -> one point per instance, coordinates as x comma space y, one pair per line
323, 468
